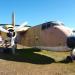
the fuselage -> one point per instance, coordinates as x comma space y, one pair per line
49, 36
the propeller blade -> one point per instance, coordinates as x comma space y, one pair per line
13, 20
3, 30
21, 26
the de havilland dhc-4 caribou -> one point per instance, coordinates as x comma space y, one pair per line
51, 35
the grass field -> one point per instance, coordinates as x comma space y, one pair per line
36, 62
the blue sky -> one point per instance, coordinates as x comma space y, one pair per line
38, 11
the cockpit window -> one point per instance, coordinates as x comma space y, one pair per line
56, 23
50, 24
73, 31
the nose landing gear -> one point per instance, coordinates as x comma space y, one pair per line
72, 53
71, 44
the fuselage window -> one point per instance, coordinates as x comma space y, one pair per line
46, 25
43, 26
49, 25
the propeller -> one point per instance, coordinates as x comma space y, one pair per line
16, 29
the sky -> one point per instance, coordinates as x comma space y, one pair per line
38, 11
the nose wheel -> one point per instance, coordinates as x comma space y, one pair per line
71, 45
72, 53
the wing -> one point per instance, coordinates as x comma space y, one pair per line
3, 30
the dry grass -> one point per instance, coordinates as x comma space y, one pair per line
36, 62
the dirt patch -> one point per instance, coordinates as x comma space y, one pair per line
35, 62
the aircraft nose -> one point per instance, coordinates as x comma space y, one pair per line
71, 42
